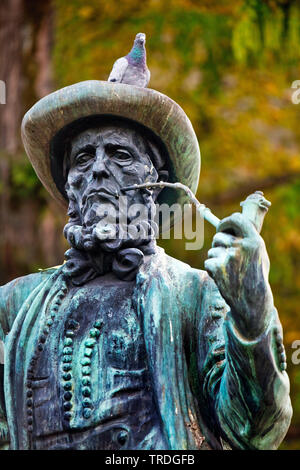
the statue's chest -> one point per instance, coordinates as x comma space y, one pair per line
93, 366
100, 324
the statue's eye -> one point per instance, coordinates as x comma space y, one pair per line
122, 157
83, 159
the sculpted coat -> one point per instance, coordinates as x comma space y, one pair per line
204, 398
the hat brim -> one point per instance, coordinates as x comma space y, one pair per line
149, 108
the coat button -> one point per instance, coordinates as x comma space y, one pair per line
67, 415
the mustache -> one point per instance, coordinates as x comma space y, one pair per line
101, 192
98, 196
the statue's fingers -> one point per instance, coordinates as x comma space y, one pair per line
217, 252
212, 265
224, 240
219, 263
216, 262
237, 225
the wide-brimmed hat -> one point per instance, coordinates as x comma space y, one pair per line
157, 113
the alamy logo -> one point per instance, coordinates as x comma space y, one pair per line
296, 94
2, 92
296, 354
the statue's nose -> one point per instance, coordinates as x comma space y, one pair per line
99, 168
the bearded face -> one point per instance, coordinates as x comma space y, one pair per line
100, 162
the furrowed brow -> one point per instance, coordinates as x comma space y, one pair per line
119, 145
81, 149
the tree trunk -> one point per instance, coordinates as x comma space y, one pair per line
11, 19
44, 39
25, 67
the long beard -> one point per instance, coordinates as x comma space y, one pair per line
101, 244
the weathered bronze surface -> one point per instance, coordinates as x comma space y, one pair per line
124, 347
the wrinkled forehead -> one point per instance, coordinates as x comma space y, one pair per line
114, 135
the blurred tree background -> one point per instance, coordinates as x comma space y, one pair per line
230, 65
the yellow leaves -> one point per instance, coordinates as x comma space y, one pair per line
245, 39
258, 127
292, 240
86, 12
291, 336
271, 88
261, 33
220, 7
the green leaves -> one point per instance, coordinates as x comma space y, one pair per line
24, 182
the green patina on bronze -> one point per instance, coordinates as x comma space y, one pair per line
184, 339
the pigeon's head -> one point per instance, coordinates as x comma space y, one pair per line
137, 55
140, 39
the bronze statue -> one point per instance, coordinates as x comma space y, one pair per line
122, 346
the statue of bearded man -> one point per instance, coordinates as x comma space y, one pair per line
122, 346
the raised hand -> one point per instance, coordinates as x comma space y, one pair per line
239, 264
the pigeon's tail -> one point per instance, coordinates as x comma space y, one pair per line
118, 70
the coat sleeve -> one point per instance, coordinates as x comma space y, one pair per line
4, 435
8, 309
244, 387
12, 297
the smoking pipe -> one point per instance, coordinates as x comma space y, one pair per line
254, 207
